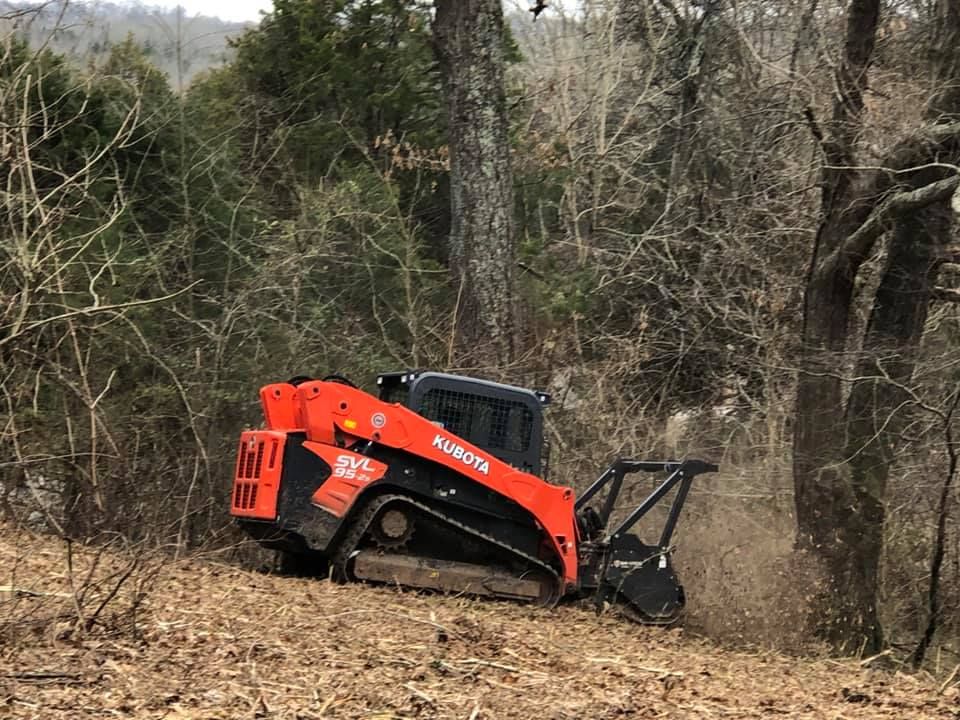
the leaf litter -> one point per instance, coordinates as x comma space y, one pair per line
209, 641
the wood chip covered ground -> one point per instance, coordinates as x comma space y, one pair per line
203, 639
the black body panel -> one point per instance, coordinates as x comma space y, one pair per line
300, 527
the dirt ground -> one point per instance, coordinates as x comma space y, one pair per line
201, 639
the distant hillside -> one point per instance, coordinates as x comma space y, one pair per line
88, 30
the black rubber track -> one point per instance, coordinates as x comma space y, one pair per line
340, 562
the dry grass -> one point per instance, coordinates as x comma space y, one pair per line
212, 641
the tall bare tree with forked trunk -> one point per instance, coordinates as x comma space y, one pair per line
847, 430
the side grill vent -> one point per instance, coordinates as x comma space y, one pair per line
256, 480
248, 476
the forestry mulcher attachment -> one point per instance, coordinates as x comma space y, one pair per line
437, 484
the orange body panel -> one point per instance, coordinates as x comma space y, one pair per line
350, 473
332, 414
256, 479
280, 407
324, 406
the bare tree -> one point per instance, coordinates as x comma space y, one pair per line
844, 446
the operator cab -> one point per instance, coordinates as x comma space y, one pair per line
505, 421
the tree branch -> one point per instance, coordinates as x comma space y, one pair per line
918, 148
94, 310
813, 124
948, 257
858, 244
946, 294
850, 79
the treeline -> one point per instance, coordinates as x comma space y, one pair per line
181, 45
686, 177
165, 254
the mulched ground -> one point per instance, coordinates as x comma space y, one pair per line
199, 639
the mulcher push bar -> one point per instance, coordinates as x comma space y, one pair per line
680, 472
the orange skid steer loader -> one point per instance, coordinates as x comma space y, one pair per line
438, 484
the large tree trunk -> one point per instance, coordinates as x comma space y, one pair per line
880, 396
470, 41
826, 508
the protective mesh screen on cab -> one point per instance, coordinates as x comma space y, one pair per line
485, 421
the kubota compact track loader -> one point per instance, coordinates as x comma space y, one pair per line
437, 484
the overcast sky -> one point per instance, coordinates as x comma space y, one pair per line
235, 10
249, 10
